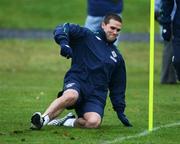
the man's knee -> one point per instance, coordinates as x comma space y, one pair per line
93, 123
70, 96
93, 120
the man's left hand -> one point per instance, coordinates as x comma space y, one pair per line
122, 117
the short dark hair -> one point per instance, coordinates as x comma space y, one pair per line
110, 16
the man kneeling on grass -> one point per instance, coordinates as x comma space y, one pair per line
97, 66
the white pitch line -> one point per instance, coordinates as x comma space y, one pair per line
144, 133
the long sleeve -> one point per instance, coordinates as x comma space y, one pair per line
166, 10
66, 32
117, 88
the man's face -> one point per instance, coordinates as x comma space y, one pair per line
112, 29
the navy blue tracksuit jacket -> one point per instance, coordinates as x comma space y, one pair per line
96, 63
167, 7
102, 7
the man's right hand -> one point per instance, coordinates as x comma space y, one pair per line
166, 32
66, 51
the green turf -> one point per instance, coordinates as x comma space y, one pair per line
31, 73
47, 14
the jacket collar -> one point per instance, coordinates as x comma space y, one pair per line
102, 35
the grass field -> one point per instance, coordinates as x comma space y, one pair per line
46, 14
31, 73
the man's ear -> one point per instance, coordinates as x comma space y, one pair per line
102, 24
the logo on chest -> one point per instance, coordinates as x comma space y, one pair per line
113, 56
